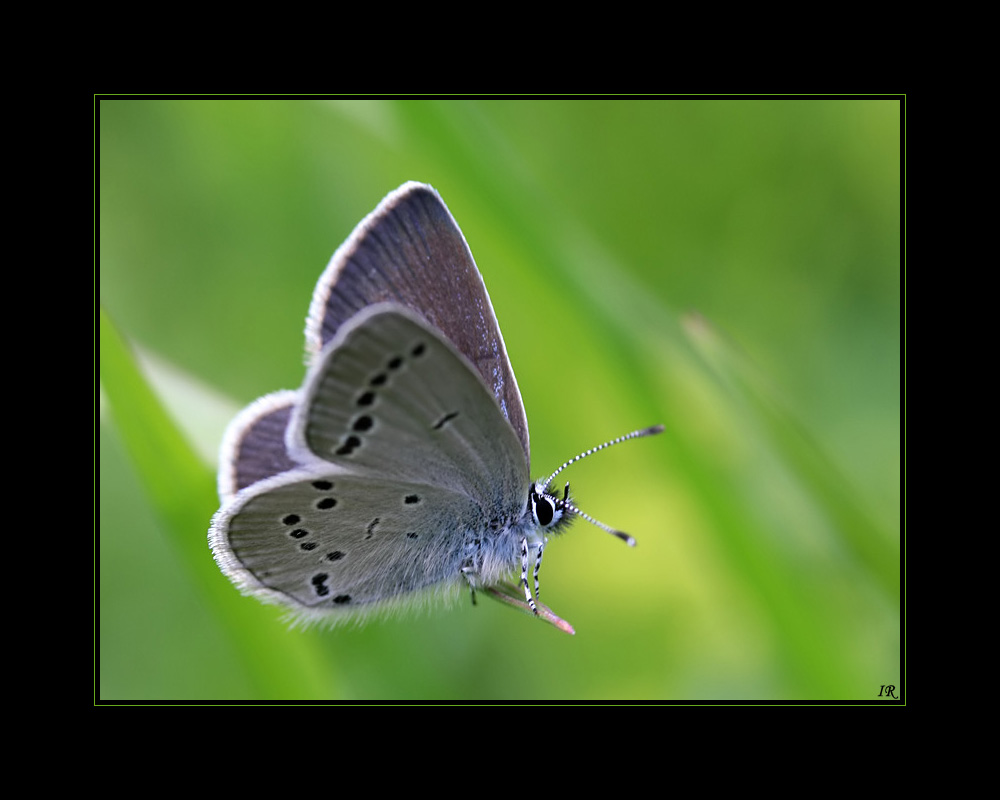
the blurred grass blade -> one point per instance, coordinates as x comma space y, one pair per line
870, 543
181, 491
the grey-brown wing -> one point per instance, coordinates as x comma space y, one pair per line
410, 251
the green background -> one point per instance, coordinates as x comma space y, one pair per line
729, 268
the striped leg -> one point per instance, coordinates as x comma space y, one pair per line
538, 564
524, 577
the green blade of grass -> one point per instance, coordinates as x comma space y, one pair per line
871, 544
181, 492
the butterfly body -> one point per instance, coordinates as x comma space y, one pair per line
401, 465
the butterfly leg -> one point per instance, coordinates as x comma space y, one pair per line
524, 577
538, 564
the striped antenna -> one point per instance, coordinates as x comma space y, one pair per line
634, 435
620, 534
543, 486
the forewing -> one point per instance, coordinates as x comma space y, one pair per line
410, 251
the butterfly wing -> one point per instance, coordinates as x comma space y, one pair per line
410, 251
253, 447
409, 472
324, 541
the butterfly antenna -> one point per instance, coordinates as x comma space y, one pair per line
572, 508
620, 534
634, 435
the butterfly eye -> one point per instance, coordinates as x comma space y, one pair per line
545, 509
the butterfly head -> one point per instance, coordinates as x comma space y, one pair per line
550, 513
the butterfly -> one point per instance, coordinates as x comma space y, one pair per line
401, 466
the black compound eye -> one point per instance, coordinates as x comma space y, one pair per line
544, 510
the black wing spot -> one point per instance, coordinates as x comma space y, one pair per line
319, 584
410, 499
326, 503
418, 351
298, 533
323, 486
370, 530
349, 446
363, 423
307, 546
411, 535
291, 519
366, 399
336, 555
379, 380
395, 363
445, 419
342, 599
